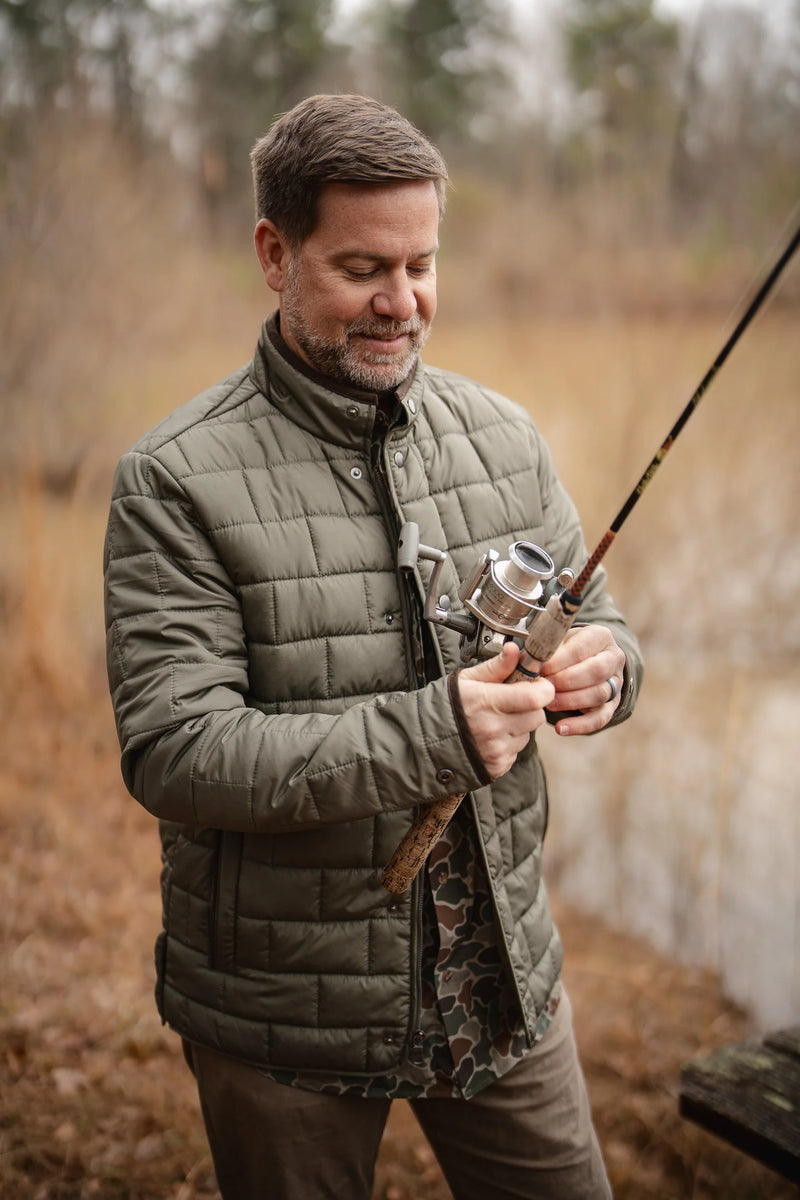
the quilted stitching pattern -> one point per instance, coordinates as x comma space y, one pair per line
254, 610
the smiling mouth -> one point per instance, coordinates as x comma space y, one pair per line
383, 342
389, 341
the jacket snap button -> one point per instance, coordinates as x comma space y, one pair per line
393, 906
355, 472
352, 411
388, 1039
445, 775
389, 618
412, 406
399, 458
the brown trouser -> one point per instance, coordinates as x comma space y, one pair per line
528, 1136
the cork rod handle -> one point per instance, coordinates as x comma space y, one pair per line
429, 824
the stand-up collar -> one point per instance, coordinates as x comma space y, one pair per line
325, 407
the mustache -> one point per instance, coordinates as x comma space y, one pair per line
386, 329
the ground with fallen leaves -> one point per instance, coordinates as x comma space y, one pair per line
95, 1100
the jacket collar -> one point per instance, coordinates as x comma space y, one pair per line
344, 415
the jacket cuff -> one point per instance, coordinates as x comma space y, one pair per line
464, 730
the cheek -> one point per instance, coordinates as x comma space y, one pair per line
427, 302
340, 306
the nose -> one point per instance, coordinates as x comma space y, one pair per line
395, 298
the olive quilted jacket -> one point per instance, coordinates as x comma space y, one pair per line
262, 677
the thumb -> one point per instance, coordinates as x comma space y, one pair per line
497, 668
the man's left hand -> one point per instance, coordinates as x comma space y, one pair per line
586, 671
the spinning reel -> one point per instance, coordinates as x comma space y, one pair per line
520, 597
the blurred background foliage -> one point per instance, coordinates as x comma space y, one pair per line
611, 120
585, 138
600, 86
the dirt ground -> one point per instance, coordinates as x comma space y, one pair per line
94, 1098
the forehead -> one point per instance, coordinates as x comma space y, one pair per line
379, 217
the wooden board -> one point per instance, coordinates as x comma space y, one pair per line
749, 1094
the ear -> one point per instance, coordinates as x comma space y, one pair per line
273, 253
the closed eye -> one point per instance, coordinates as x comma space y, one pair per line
416, 270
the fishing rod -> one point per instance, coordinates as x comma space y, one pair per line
524, 598
598, 554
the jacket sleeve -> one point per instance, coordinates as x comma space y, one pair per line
565, 544
193, 750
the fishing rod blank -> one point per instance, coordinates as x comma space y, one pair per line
575, 591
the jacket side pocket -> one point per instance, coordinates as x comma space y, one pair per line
226, 902
161, 971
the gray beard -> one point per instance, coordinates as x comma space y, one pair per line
339, 359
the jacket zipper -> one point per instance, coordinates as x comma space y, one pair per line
504, 944
410, 615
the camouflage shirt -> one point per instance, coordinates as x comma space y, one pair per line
470, 1029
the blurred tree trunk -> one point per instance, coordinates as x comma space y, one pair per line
259, 59
442, 62
622, 57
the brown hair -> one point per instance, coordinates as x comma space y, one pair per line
335, 139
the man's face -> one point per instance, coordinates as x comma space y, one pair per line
359, 295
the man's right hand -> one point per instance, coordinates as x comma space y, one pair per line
501, 717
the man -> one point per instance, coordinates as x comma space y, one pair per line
283, 709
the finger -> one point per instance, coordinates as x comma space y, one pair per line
523, 697
495, 669
500, 751
493, 674
589, 674
595, 696
522, 723
586, 722
580, 645
590, 670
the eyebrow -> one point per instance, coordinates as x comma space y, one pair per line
344, 255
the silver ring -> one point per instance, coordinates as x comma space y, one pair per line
612, 683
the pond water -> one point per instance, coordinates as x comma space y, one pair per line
683, 825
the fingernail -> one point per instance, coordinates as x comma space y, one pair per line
562, 730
